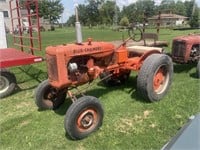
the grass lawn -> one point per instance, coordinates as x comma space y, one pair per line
129, 121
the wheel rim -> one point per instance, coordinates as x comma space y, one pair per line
87, 120
4, 84
161, 79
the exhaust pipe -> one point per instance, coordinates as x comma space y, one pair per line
79, 39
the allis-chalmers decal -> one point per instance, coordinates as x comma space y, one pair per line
86, 50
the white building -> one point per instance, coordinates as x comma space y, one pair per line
168, 20
5, 8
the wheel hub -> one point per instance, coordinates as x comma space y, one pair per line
87, 119
160, 80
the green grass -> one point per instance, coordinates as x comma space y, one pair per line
129, 121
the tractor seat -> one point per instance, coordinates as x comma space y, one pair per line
143, 49
151, 39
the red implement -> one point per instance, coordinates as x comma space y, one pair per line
12, 57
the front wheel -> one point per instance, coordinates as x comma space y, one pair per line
83, 117
47, 97
155, 77
7, 83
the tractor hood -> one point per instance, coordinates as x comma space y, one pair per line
94, 49
189, 38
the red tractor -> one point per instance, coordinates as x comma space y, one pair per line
72, 65
186, 49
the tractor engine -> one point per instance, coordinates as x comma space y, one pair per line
79, 63
76, 64
195, 52
186, 48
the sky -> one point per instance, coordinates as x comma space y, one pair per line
69, 6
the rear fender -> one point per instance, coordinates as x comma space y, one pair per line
145, 55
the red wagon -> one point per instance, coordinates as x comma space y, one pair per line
27, 39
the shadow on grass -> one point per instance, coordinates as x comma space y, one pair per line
186, 68
63, 108
180, 68
194, 75
131, 85
33, 72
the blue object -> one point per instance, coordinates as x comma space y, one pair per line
188, 137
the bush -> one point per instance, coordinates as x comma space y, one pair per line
52, 28
124, 21
42, 29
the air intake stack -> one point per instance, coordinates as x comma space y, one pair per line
78, 27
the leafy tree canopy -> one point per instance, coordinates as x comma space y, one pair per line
107, 12
49, 9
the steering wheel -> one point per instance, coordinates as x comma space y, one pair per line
135, 33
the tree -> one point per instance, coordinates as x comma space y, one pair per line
189, 7
194, 21
180, 8
107, 12
50, 10
130, 12
135, 12
93, 11
83, 14
71, 20
147, 6
192, 12
168, 5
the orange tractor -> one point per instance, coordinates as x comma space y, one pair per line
72, 65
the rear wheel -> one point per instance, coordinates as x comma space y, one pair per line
83, 117
7, 83
47, 97
155, 77
198, 69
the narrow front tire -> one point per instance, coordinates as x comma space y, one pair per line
47, 97
83, 117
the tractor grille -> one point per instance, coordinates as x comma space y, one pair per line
52, 67
179, 49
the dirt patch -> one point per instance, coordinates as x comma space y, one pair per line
125, 125
23, 104
24, 123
